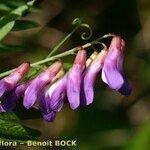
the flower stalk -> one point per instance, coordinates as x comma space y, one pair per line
66, 53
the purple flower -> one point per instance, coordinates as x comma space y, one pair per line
9, 100
89, 78
112, 72
74, 77
56, 94
37, 85
8, 83
53, 99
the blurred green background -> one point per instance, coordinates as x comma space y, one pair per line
112, 122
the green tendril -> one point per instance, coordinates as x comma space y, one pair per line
101, 43
79, 22
84, 35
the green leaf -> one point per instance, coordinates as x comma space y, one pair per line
9, 116
7, 22
13, 15
20, 10
24, 24
10, 130
6, 29
11, 4
4, 7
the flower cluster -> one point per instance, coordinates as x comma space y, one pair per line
50, 88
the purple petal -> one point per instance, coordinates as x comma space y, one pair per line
32, 92
19, 72
74, 79
57, 93
112, 72
10, 82
9, 100
43, 102
125, 89
74, 86
20, 89
112, 76
52, 99
88, 89
50, 117
5, 87
35, 89
89, 78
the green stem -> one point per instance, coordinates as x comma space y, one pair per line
62, 42
69, 52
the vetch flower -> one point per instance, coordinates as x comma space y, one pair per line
74, 77
57, 93
10, 99
37, 85
53, 99
112, 72
89, 78
9, 82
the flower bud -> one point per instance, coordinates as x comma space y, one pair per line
37, 85
112, 72
56, 94
53, 98
74, 79
89, 78
9, 82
